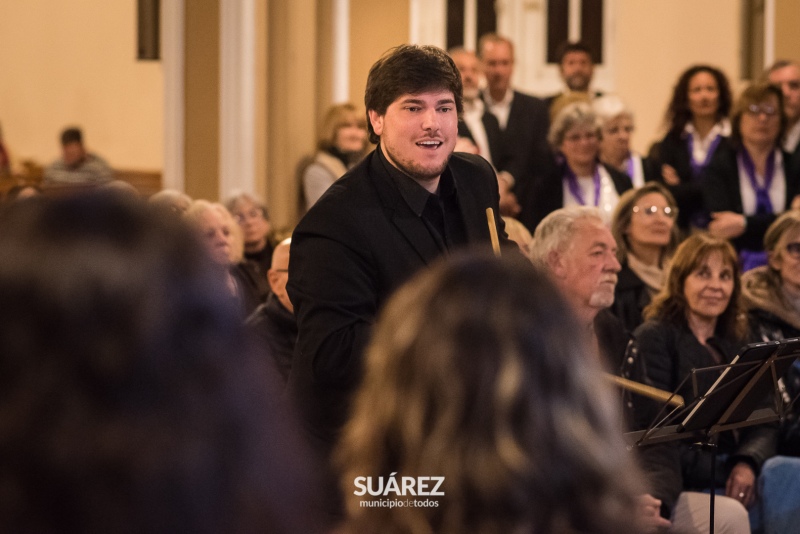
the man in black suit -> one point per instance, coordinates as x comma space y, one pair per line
517, 131
406, 204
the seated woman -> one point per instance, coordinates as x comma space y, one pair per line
341, 144
644, 228
771, 294
221, 235
616, 129
697, 124
580, 178
695, 322
253, 219
750, 182
459, 384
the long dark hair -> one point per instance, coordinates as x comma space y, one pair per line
678, 112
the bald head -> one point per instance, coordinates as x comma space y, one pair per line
278, 273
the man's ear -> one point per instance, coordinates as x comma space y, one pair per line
555, 263
272, 278
376, 120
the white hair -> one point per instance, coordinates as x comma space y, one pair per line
556, 231
608, 107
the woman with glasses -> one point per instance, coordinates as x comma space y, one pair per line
697, 126
750, 182
580, 178
251, 215
644, 228
695, 322
771, 294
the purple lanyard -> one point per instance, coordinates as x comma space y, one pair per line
629, 167
697, 167
763, 202
575, 188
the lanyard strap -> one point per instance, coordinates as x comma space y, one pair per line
763, 202
697, 167
575, 188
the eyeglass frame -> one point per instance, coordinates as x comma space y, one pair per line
671, 212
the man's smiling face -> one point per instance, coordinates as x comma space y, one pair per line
418, 133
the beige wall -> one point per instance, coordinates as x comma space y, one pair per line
787, 23
374, 28
66, 63
657, 41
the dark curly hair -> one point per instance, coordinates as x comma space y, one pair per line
678, 113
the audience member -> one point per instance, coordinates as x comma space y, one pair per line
576, 67
580, 179
76, 165
273, 322
510, 413
616, 129
224, 243
253, 219
576, 247
517, 128
407, 203
172, 200
644, 229
697, 124
342, 143
695, 322
131, 401
786, 75
749, 181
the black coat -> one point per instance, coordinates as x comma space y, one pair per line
352, 249
549, 191
670, 352
276, 328
722, 193
522, 149
631, 296
673, 150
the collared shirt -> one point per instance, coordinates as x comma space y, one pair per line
440, 213
473, 118
700, 146
608, 193
792, 138
500, 109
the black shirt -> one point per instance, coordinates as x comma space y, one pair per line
441, 212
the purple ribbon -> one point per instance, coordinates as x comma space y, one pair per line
575, 188
763, 202
697, 167
629, 166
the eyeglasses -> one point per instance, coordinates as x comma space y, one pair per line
793, 249
581, 136
649, 211
766, 109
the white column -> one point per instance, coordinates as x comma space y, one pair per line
237, 97
769, 33
341, 51
172, 50
428, 22
574, 18
471, 24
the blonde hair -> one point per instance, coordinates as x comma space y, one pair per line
199, 207
338, 116
469, 377
623, 213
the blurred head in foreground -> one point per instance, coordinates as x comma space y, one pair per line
129, 399
476, 374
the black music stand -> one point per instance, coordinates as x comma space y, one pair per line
731, 402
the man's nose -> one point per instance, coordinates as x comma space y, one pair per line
613, 263
430, 120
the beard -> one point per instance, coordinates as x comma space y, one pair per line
578, 82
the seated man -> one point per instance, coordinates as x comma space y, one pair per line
273, 322
76, 165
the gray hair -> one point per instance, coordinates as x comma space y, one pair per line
556, 231
238, 195
577, 114
608, 107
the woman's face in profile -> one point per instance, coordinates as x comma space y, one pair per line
709, 287
703, 95
217, 236
786, 260
617, 134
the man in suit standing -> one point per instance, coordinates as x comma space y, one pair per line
405, 205
518, 132
576, 67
